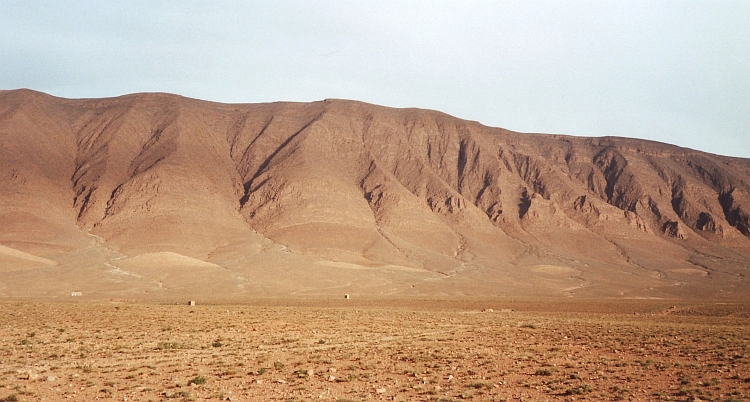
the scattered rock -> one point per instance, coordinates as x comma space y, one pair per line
27, 375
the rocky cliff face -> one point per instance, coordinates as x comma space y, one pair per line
342, 196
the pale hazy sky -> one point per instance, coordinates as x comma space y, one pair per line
677, 71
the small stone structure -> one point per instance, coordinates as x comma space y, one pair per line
191, 303
346, 296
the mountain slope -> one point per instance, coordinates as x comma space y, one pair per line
338, 197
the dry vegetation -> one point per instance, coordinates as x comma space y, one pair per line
418, 351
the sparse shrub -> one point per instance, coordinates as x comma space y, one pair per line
86, 368
278, 366
10, 398
180, 394
198, 380
683, 391
579, 390
169, 345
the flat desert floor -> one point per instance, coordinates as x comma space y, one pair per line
353, 350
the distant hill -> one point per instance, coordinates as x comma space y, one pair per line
158, 196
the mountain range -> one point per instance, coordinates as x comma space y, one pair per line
158, 196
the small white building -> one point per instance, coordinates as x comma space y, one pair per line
76, 294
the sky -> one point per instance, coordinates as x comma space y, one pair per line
669, 71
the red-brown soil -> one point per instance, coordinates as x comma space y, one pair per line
407, 350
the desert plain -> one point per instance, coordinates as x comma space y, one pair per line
376, 349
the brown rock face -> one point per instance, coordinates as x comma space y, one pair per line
155, 195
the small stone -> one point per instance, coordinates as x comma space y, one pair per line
331, 378
51, 378
310, 372
381, 390
332, 370
280, 381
